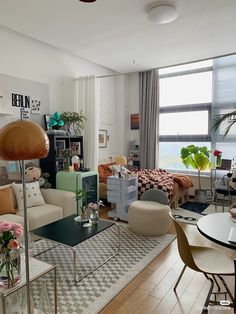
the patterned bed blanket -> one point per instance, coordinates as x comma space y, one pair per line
161, 179
155, 179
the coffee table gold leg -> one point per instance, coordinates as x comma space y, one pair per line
4, 305
74, 264
55, 289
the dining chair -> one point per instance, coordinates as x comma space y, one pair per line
225, 190
211, 262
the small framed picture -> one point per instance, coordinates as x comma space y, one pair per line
134, 121
47, 121
102, 138
76, 148
60, 145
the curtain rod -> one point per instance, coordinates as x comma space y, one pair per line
168, 66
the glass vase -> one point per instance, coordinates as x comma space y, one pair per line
10, 268
66, 163
44, 301
94, 216
218, 161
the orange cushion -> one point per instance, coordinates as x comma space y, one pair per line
104, 172
6, 202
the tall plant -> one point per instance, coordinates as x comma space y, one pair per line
196, 157
228, 118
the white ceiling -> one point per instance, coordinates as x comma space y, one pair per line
116, 33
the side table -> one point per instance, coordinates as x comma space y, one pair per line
121, 191
37, 270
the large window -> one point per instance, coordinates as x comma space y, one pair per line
185, 111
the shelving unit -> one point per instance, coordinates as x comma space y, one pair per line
54, 161
121, 191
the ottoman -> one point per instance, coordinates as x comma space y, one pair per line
149, 218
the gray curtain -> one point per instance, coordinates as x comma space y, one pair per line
148, 110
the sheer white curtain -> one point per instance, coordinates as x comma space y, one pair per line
86, 98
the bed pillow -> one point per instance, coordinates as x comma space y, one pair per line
104, 172
6, 201
33, 194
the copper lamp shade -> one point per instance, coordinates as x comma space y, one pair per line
23, 140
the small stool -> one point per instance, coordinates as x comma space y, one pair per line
149, 217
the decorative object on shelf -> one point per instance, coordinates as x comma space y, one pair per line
23, 140
74, 121
198, 158
55, 121
44, 301
218, 155
102, 138
67, 154
9, 253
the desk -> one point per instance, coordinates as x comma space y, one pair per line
216, 227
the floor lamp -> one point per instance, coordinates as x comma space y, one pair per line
23, 140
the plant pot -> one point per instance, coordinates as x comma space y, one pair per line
203, 196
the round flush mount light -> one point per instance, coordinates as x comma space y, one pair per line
89, 1
162, 14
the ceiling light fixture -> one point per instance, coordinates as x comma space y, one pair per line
89, 1
162, 13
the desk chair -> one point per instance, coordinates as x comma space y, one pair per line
209, 261
225, 190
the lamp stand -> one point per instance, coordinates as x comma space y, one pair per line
27, 277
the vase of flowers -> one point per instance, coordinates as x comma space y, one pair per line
218, 155
94, 212
10, 253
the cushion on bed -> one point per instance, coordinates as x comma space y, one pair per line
104, 172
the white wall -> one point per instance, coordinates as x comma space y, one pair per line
24, 57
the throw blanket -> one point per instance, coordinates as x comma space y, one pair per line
155, 179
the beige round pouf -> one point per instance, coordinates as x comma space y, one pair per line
149, 218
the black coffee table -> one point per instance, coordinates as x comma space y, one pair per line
69, 233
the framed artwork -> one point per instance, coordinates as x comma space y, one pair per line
76, 148
134, 121
102, 138
60, 145
47, 121
9, 171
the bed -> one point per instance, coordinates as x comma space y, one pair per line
174, 185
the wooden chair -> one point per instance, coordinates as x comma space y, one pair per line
209, 261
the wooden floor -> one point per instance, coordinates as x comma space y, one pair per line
152, 290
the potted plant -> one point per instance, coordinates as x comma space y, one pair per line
81, 198
228, 119
74, 121
198, 158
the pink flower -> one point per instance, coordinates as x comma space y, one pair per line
17, 229
13, 244
18, 232
5, 226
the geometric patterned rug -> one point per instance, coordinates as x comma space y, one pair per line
190, 217
95, 291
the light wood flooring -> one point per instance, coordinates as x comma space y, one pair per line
152, 290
